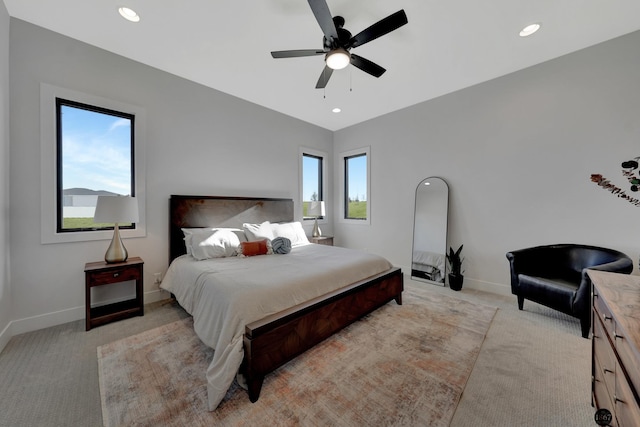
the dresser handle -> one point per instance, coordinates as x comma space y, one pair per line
608, 371
607, 317
116, 274
616, 336
615, 398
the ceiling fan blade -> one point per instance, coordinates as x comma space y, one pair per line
325, 20
324, 78
297, 53
367, 66
380, 28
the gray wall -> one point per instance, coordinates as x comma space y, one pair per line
517, 152
198, 141
5, 290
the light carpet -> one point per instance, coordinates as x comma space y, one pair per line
401, 365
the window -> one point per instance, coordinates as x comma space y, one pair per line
95, 156
355, 198
312, 179
76, 125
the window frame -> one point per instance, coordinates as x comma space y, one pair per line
60, 103
344, 156
49, 233
305, 151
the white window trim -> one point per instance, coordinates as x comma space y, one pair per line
367, 151
325, 187
48, 186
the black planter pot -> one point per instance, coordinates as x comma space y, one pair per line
455, 281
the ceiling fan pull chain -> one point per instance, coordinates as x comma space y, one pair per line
350, 79
324, 88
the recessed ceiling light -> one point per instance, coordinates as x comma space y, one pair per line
129, 14
336, 110
529, 29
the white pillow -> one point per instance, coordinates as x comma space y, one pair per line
258, 231
189, 232
214, 244
292, 231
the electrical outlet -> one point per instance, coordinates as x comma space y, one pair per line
157, 278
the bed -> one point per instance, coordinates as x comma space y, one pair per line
253, 327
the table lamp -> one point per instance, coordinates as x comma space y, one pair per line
116, 209
316, 209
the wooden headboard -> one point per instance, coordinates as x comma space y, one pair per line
214, 211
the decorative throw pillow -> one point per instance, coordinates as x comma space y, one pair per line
258, 231
190, 232
255, 247
292, 231
281, 245
214, 244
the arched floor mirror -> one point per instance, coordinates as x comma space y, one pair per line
430, 231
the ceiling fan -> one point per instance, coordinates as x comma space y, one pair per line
337, 42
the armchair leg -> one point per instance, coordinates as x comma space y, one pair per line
585, 325
520, 302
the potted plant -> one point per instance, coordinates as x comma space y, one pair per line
455, 268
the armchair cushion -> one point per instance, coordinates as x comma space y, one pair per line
556, 276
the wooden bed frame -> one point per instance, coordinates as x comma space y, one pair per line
271, 342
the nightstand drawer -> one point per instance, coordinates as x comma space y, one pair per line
322, 240
115, 275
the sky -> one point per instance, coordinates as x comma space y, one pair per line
357, 186
96, 151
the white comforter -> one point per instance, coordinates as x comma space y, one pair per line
225, 294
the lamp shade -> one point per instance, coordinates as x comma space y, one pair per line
316, 209
116, 209
338, 59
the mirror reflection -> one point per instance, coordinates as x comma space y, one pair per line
430, 231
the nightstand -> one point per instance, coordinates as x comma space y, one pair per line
102, 274
322, 240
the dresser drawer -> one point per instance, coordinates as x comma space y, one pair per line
603, 352
604, 314
114, 275
629, 359
627, 410
602, 394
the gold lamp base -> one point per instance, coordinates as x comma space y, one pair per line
116, 252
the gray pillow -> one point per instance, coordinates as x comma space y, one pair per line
281, 245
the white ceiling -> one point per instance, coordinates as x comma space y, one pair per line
447, 45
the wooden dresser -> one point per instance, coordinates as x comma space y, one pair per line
615, 347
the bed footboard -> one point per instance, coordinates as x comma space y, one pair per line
273, 341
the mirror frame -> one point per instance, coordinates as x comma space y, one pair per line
446, 226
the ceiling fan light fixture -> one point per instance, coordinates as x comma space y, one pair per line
338, 58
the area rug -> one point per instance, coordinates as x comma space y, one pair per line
400, 365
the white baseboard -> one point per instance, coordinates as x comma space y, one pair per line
479, 285
34, 323
5, 336
29, 324
494, 288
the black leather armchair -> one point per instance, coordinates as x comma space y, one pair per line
555, 276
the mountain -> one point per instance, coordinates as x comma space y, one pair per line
86, 192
